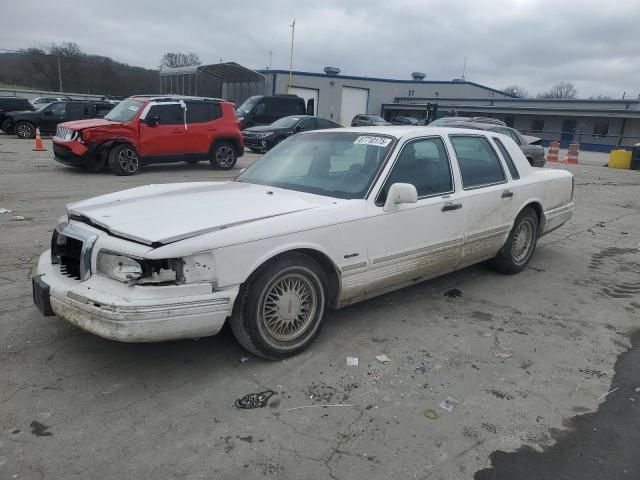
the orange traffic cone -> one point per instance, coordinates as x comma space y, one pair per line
554, 151
572, 153
39, 147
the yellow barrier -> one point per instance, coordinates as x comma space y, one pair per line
619, 159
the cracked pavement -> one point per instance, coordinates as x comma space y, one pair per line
73, 405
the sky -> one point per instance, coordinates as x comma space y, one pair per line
532, 43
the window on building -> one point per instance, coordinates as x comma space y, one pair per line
601, 128
537, 125
479, 164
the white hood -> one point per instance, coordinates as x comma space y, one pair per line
167, 213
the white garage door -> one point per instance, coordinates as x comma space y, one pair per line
354, 102
307, 94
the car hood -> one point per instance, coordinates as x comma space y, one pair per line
88, 123
264, 128
161, 214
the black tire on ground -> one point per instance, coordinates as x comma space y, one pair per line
124, 160
25, 130
223, 156
280, 309
8, 127
516, 253
255, 150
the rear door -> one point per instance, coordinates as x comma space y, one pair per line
166, 140
203, 119
487, 195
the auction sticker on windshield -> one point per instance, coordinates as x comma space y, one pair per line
377, 141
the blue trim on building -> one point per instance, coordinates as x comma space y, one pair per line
386, 80
524, 100
524, 109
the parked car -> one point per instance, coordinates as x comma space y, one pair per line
265, 137
43, 101
327, 219
447, 121
152, 129
402, 120
368, 121
264, 109
47, 118
530, 146
9, 105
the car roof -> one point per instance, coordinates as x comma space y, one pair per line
175, 98
403, 131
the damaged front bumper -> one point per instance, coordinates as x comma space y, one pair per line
132, 313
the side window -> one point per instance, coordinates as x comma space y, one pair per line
216, 111
324, 123
306, 125
424, 164
103, 109
507, 158
198, 112
479, 164
515, 136
57, 108
167, 114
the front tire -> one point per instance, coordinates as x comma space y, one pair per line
223, 156
25, 130
516, 253
124, 160
281, 307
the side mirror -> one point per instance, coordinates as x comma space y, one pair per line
400, 193
153, 121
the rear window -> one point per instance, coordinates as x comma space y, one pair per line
507, 158
14, 104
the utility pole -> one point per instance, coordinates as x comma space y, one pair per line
59, 74
270, 59
293, 31
464, 68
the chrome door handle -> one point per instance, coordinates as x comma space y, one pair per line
451, 206
507, 194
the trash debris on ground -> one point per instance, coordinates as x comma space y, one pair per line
502, 355
453, 293
383, 358
4, 210
375, 377
243, 359
254, 400
637, 389
430, 414
352, 361
18, 218
610, 391
328, 405
449, 404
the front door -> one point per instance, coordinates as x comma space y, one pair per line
568, 130
419, 240
52, 116
487, 197
164, 140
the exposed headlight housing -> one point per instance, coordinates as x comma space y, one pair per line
139, 271
264, 134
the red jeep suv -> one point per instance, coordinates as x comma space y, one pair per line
152, 129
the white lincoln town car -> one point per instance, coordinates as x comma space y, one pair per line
325, 219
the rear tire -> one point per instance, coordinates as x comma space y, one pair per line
280, 309
124, 160
25, 130
8, 127
223, 156
516, 253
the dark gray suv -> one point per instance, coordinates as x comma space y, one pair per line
368, 121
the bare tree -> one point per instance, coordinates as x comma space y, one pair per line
600, 96
179, 59
516, 91
562, 90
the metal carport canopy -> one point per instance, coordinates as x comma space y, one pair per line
226, 72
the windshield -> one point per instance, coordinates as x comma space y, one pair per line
334, 164
124, 111
375, 118
247, 105
286, 122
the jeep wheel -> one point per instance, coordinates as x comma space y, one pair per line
7, 127
25, 130
124, 160
280, 309
521, 243
223, 156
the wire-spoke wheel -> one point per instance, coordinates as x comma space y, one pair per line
280, 308
521, 243
223, 156
124, 160
25, 130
